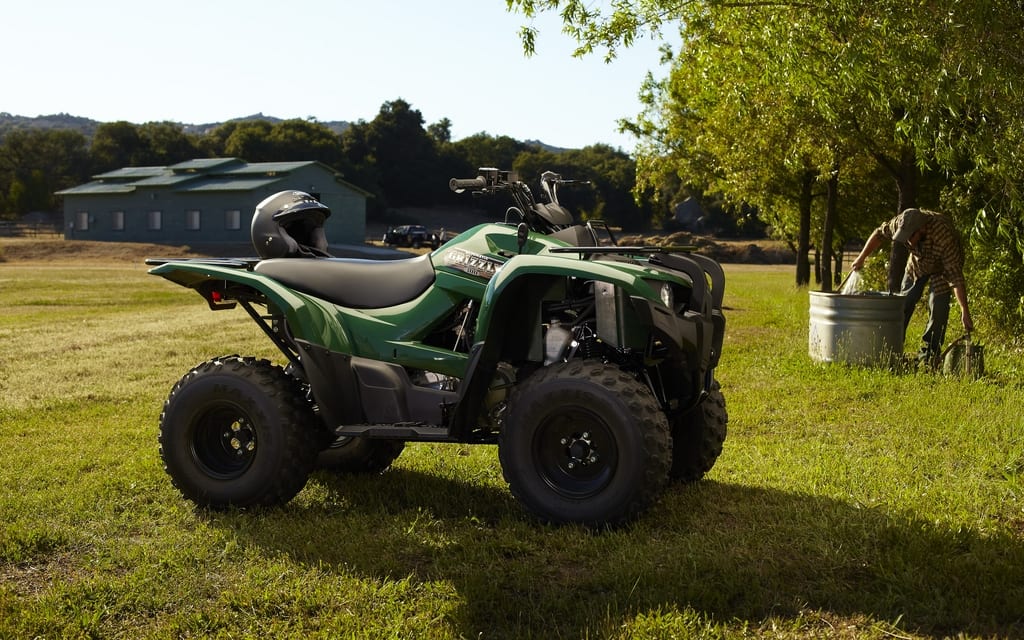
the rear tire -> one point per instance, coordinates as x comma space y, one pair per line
235, 432
697, 437
585, 443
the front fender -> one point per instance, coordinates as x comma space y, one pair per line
509, 319
501, 295
309, 319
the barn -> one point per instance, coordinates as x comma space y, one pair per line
208, 200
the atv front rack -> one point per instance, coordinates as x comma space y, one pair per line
698, 267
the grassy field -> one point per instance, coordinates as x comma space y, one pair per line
850, 503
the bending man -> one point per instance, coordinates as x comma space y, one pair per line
936, 260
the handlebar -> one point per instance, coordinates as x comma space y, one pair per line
459, 185
542, 218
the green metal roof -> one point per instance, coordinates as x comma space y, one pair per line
98, 187
268, 167
131, 173
167, 180
238, 184
201, 174
203, 164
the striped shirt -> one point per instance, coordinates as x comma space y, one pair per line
938, 253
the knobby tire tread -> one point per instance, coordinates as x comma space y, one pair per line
301, 442
647, 414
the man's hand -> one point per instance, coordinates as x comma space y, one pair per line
874, 240
965, 312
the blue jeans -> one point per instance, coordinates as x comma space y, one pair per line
938, 316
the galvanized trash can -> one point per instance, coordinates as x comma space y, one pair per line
863, 328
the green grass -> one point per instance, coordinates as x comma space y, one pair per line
848, 502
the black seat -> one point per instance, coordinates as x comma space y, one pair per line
360, 284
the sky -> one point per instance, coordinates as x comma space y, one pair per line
203, 61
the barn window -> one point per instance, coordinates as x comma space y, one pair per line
82, 221
153, 221
233, 219
192, 220
117, 220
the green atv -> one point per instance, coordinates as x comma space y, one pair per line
589, 365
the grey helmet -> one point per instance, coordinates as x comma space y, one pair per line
290, 224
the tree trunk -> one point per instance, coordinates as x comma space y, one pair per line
803, 265
906, 180
828, 229
906, 187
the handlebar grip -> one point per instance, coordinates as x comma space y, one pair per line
460, 184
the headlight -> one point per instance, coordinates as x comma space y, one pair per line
667, 297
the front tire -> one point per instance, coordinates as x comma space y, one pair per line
235, 432
585, 443
698, 436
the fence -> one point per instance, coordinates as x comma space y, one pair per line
9, 229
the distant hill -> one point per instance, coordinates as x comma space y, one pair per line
337, 126
10, 123
545, 147
88, 127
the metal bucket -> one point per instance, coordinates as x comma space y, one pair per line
964, 358
864, 329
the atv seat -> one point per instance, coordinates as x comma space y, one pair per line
356, 283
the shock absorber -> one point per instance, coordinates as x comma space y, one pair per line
584, 342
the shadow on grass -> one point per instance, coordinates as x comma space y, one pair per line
733, 554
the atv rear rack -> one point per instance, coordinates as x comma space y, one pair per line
231, 263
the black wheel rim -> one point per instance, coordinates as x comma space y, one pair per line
224, 442
575, 452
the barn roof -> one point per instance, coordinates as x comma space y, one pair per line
201, 174
239, 184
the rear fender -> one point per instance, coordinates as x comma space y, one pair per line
310, 319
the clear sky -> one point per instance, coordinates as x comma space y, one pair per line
201, 61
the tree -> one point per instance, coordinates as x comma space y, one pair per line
919, 88
35, 163
611, 173
485, 150
305, 140
250, 140
727, 120
212, 144
402, 155
441, 131
116, 145
124, 144
165, 143
358, 154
